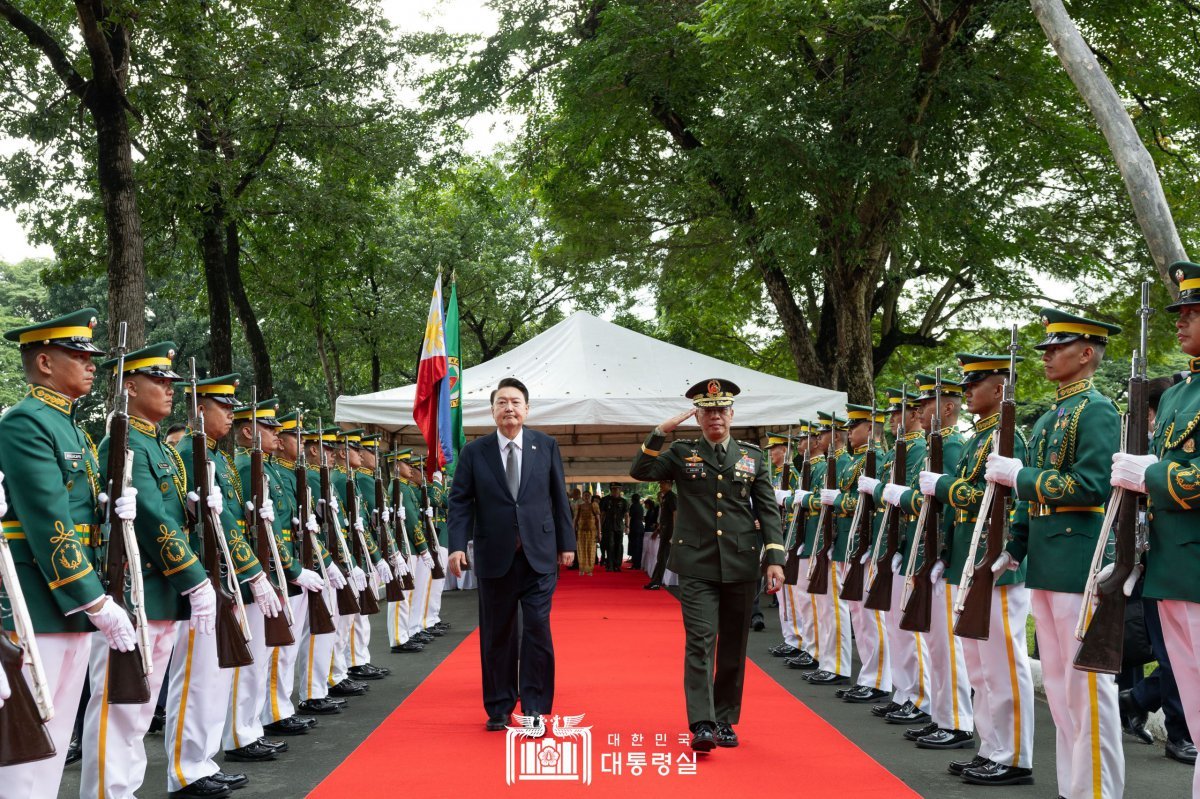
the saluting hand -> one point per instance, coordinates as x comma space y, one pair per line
677, 420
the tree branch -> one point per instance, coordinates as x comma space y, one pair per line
48, 45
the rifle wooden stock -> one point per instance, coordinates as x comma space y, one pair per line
917, 615
347, 597
852, 586
232, 650
1103, 643
818, 570
367, 602
23, 736
127, 683
431, 540
791, 566
320, 620
401, 533
276, 631
879, 594
393, 590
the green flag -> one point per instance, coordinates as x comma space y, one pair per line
454, 373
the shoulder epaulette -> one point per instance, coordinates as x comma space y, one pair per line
748, 445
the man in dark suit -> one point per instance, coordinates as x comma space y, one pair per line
510, 495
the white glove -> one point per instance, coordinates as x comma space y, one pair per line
215, 501
309, 580
829, 496
935, 577
386, 515
437, 477
3, 512
265, 596
359, 578
1005, 563
383, 571
1129, 471
928, 481
897, 559
403, 513
802, 494
429, 512
1130, 581
334, 504
1002, 470
114, 623
267, 511
399, 565
311, 525
866, 557
5, 690
867, 485
126, 507
892, 492
359, 526
336, 578
295, 523
781, 496
192, 499
427, 559
203, 600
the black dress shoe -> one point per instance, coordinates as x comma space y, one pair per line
652, 586
725, 736
443, 625
909, 714
252, 752
862, 694
1184, 751
203, 788
348, 688
957, 767
841, 692
279, 746
757, 624
882, 710
827, 678
947, 739
362, 673
320, 707
801, 661
784, 651
914, 733
307, 721
74, 751
409, 646
158, 720
1133, 718
998, 774
435, 632
231, 781
289, 726
497, 723
704, 736
422, 637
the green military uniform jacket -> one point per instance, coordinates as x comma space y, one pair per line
51, 477
365, 480
170, 566
1172, 562
280, 528
233, 520
413, 527
364, 513
961, 491
439, 496
816, 483
910, 503
911, 500
333, 548
1065, 488
788, 512
848, 502
727, 518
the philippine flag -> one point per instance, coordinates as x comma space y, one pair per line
431, 408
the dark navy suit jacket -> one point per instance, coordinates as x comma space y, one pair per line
482, 507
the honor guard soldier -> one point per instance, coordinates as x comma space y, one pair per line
51, 523
278, 714
1169, 476
875, 673
952, 723
419, 627
999, 664
175, 585
439, 494
1066, 486
361, 667
907, 650
407, 534
778, 445
198, 689
726, 524
808, 444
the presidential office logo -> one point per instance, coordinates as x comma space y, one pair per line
561, 752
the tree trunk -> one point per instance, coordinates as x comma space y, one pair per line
212, 250
260, 357
1134, 162
322, 353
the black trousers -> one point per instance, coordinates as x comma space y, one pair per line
664, 552
517, 663
716, 618
637, 537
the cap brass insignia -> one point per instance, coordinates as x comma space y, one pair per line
714, 387
1178, 275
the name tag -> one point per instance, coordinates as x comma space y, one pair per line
73, 456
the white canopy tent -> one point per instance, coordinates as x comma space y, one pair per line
599, 389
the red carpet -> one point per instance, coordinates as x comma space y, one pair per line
619, 654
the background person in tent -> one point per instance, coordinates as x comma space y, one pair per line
509, 493
725, 523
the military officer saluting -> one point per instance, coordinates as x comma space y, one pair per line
51, 521
175, 584
1169, 476
1066, 486
726, 522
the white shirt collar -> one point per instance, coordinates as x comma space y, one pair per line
505, 441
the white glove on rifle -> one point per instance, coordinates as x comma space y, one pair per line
5, 690
215, 501
429, 512
265, 596
928, 481
359, 578
802, 494
383, 571
3, 504
829, 496
437, 477
1002, 470
892, 492
897, 560
427, 559
935, 577
399, 566
114, 623
403, 513
1005, 563
359, 526
203, 600
126, 506
386, 515
1129, 471
1130, 581
781, 496
309, 580
336, 578
867, 485
311, 525
267, 511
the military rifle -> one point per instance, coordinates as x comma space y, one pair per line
818, 564
320, 619
879, 593
368, 600
860, 526
347, 595
401, 526
393, 591
427, 522
795, 535
917, 611
276, 631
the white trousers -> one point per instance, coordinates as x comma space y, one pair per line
1087, 725
360, 640
114, 759
909, 656
872, 643
316, 655
65, 662
197, 703
834, 615
422, 590
433, 607
789, 616
342, 625
1181, 633
950, 689
281, 666
243, 723
999, 670
808, 614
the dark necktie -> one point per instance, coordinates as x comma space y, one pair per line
511, 472
721, 454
